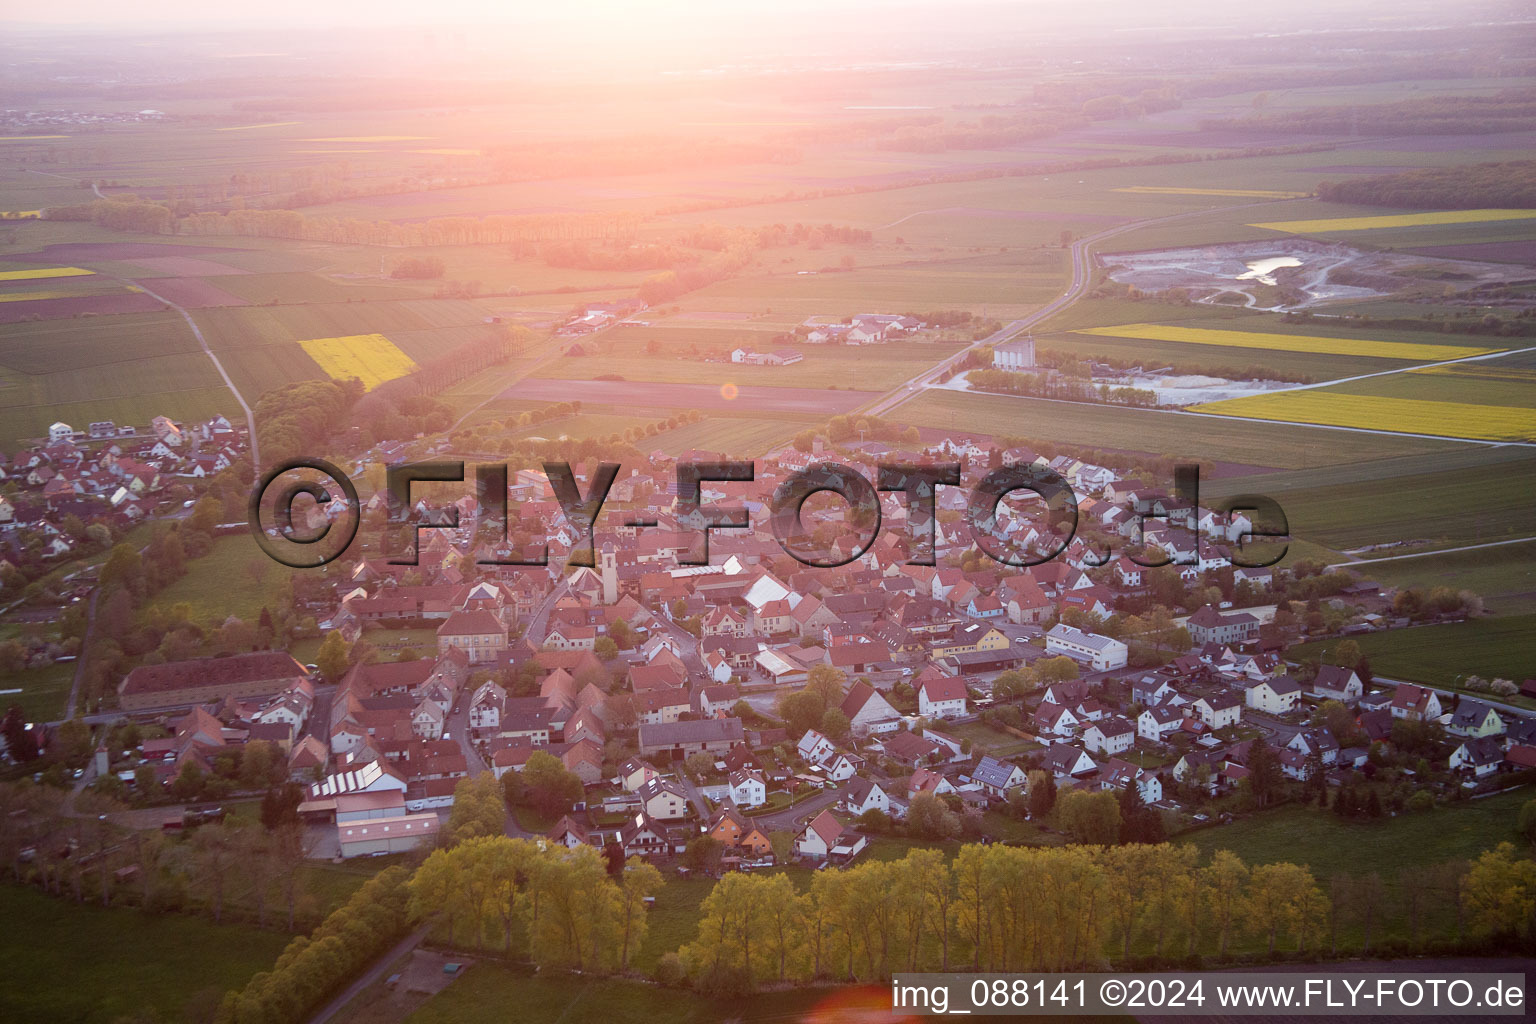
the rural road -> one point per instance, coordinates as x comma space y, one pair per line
1082, 277
1425, 554
250, 417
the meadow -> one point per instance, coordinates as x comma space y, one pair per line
1504, 576
1443, 500
77, 962
1441, 655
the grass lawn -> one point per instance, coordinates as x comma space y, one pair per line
489, 991
222, 583
1496, 648
1330, 845
44, 691
84, 963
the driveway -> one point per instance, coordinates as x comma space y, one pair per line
791, 819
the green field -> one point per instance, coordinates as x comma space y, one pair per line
75, 962
1504, 576
127, 368
864, 368
487, 991
1282, 446
1330, 845
1452, 499
44, 691
234, 578
1494, 648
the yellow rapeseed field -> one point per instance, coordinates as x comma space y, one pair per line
1372, 412
371, 358
31, 296
43, 272
1396, 220
1411, 350
1243, 193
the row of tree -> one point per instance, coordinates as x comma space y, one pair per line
1508, 185
314, 966
562, 907
1002, 908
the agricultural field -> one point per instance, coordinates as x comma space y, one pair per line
371, 358
1494, 648
877, 368
119, 963
1373, 412
1360, 347
1328, 225
1448, 499
1330, 845
1504, 576
1141, 430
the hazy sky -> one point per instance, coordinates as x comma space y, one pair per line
271, 13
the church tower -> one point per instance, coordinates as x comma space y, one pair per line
608, 567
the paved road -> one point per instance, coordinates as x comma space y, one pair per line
791, 819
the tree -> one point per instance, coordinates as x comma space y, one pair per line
20, 741
280, 806
1501, 891
1092, 819
1346, 653
928, 818
1263, 770
477, 808
334, 657
703, 854
1526, 824
835, 724
1042, 793
1224, 882
548, 786
605, 648
639, 881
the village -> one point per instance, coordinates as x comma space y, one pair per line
756, 711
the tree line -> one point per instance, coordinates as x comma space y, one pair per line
1007, 908
1510, 184
568, 908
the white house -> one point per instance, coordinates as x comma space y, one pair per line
1334, 682
860, 795
1220, 711
1103, 653
1157, 724
941, 697
748, 788
998, 777
1274, 696
1109, 737
814, 747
